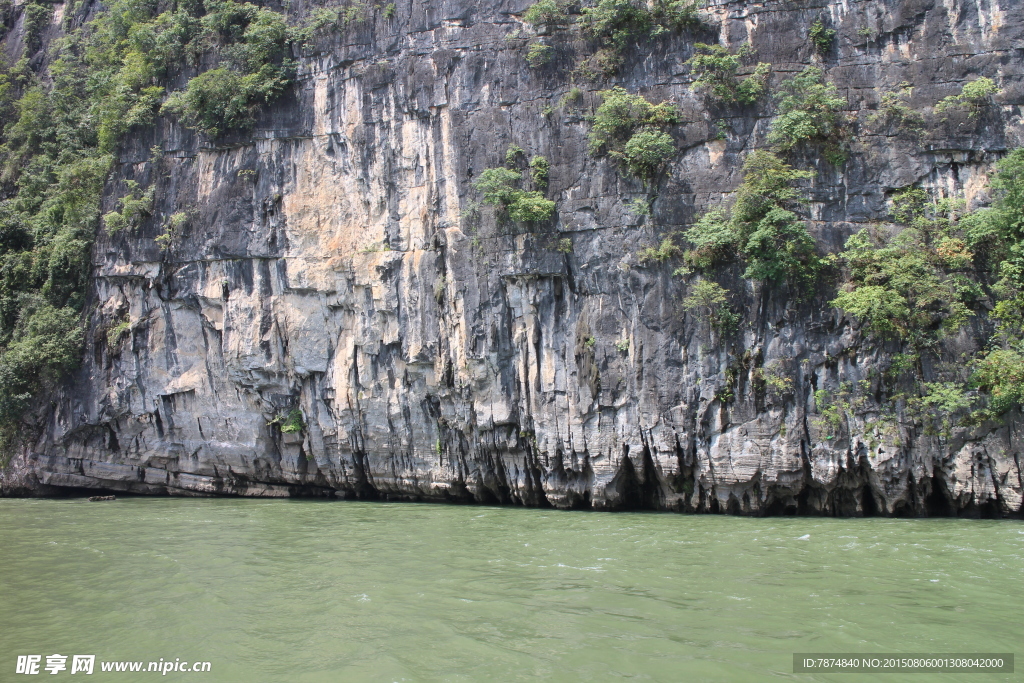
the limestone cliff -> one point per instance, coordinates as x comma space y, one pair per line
336, 260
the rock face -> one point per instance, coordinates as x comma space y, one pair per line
337, 260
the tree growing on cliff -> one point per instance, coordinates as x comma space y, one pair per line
894, 110
974, 96
717, 71
910, 286
501, 188
254, 69
998, 234
632, 129
822, 38
761, 227
809, 114
708, 302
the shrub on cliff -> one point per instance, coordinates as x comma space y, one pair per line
222, 99
894, 110
910, 286
253, 72
821, 38
616, 23
630, 128
500, 188
1000, 375
809, 113
708, 302
45, 344
290, 423
998, 233
647, 151
539, 54
717, 72
540, 168
761, 226
546, 13
676, 14
973, 97
134, 206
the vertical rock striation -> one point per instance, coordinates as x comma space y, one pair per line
336, 260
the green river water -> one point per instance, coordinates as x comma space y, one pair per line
297, 591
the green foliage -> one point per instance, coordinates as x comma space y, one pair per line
499, 187
641, 206
705, 298
324, 20
573, 97
1000, 375
389, 11
292, 423
768, 183
513, 154
605, 62
894, 110
37, 18
222, 99
547, 13
45, 344
172, 230
911, 287
539, 54
630, 128
663, 252
254, 70
708, 302
808, 114
116, 333
940, 401
773, 379
530, 207
676, 14
620, 114
835, 408
616, 23
717, 72
974, 96
647, 151
822, 38
539, 169
998, 234
714, 239
134, 206
778, 248
761, 226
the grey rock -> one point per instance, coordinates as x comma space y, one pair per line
439, 354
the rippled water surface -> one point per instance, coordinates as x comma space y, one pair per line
289, 590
